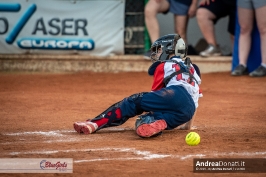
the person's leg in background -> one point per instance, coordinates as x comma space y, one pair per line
245, 19
182, 11
260, 13
152, 8
181, 22
206, 21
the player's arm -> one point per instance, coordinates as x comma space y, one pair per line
189, 124
197, 76
158, 78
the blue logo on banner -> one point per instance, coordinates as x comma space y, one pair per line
39, 43
63, 44
20, 24
10, 7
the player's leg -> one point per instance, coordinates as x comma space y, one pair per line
261, 23
154, 123
152, 8
115, 115
172, 105
90, 127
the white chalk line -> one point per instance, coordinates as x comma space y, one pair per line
57, 135
63, 140
48, 133
141, 155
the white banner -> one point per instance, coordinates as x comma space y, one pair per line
94, 27
36, 165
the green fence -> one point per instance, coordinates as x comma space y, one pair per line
136, 37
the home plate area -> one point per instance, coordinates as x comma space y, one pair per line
60, 137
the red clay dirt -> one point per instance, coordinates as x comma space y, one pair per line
37, 112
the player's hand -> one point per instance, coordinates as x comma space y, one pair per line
205, 2
192, 10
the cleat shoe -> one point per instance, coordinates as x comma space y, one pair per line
211, 51
148, 130
89, 127
259, 72
240, 70
78, 126
85, 127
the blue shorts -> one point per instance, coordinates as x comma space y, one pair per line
179, 7
172, 104
251, 4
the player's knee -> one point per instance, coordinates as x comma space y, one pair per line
136, 99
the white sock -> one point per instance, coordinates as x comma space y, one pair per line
263, 64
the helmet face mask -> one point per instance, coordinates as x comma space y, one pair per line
167, 45
156, 52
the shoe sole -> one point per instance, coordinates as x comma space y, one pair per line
78, 127
257, 75
148, 130
238, 74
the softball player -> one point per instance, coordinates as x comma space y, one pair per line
173, 98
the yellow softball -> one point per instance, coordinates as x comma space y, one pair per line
192, 139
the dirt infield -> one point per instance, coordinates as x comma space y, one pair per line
37, 112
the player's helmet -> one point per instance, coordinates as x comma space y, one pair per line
168, 44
